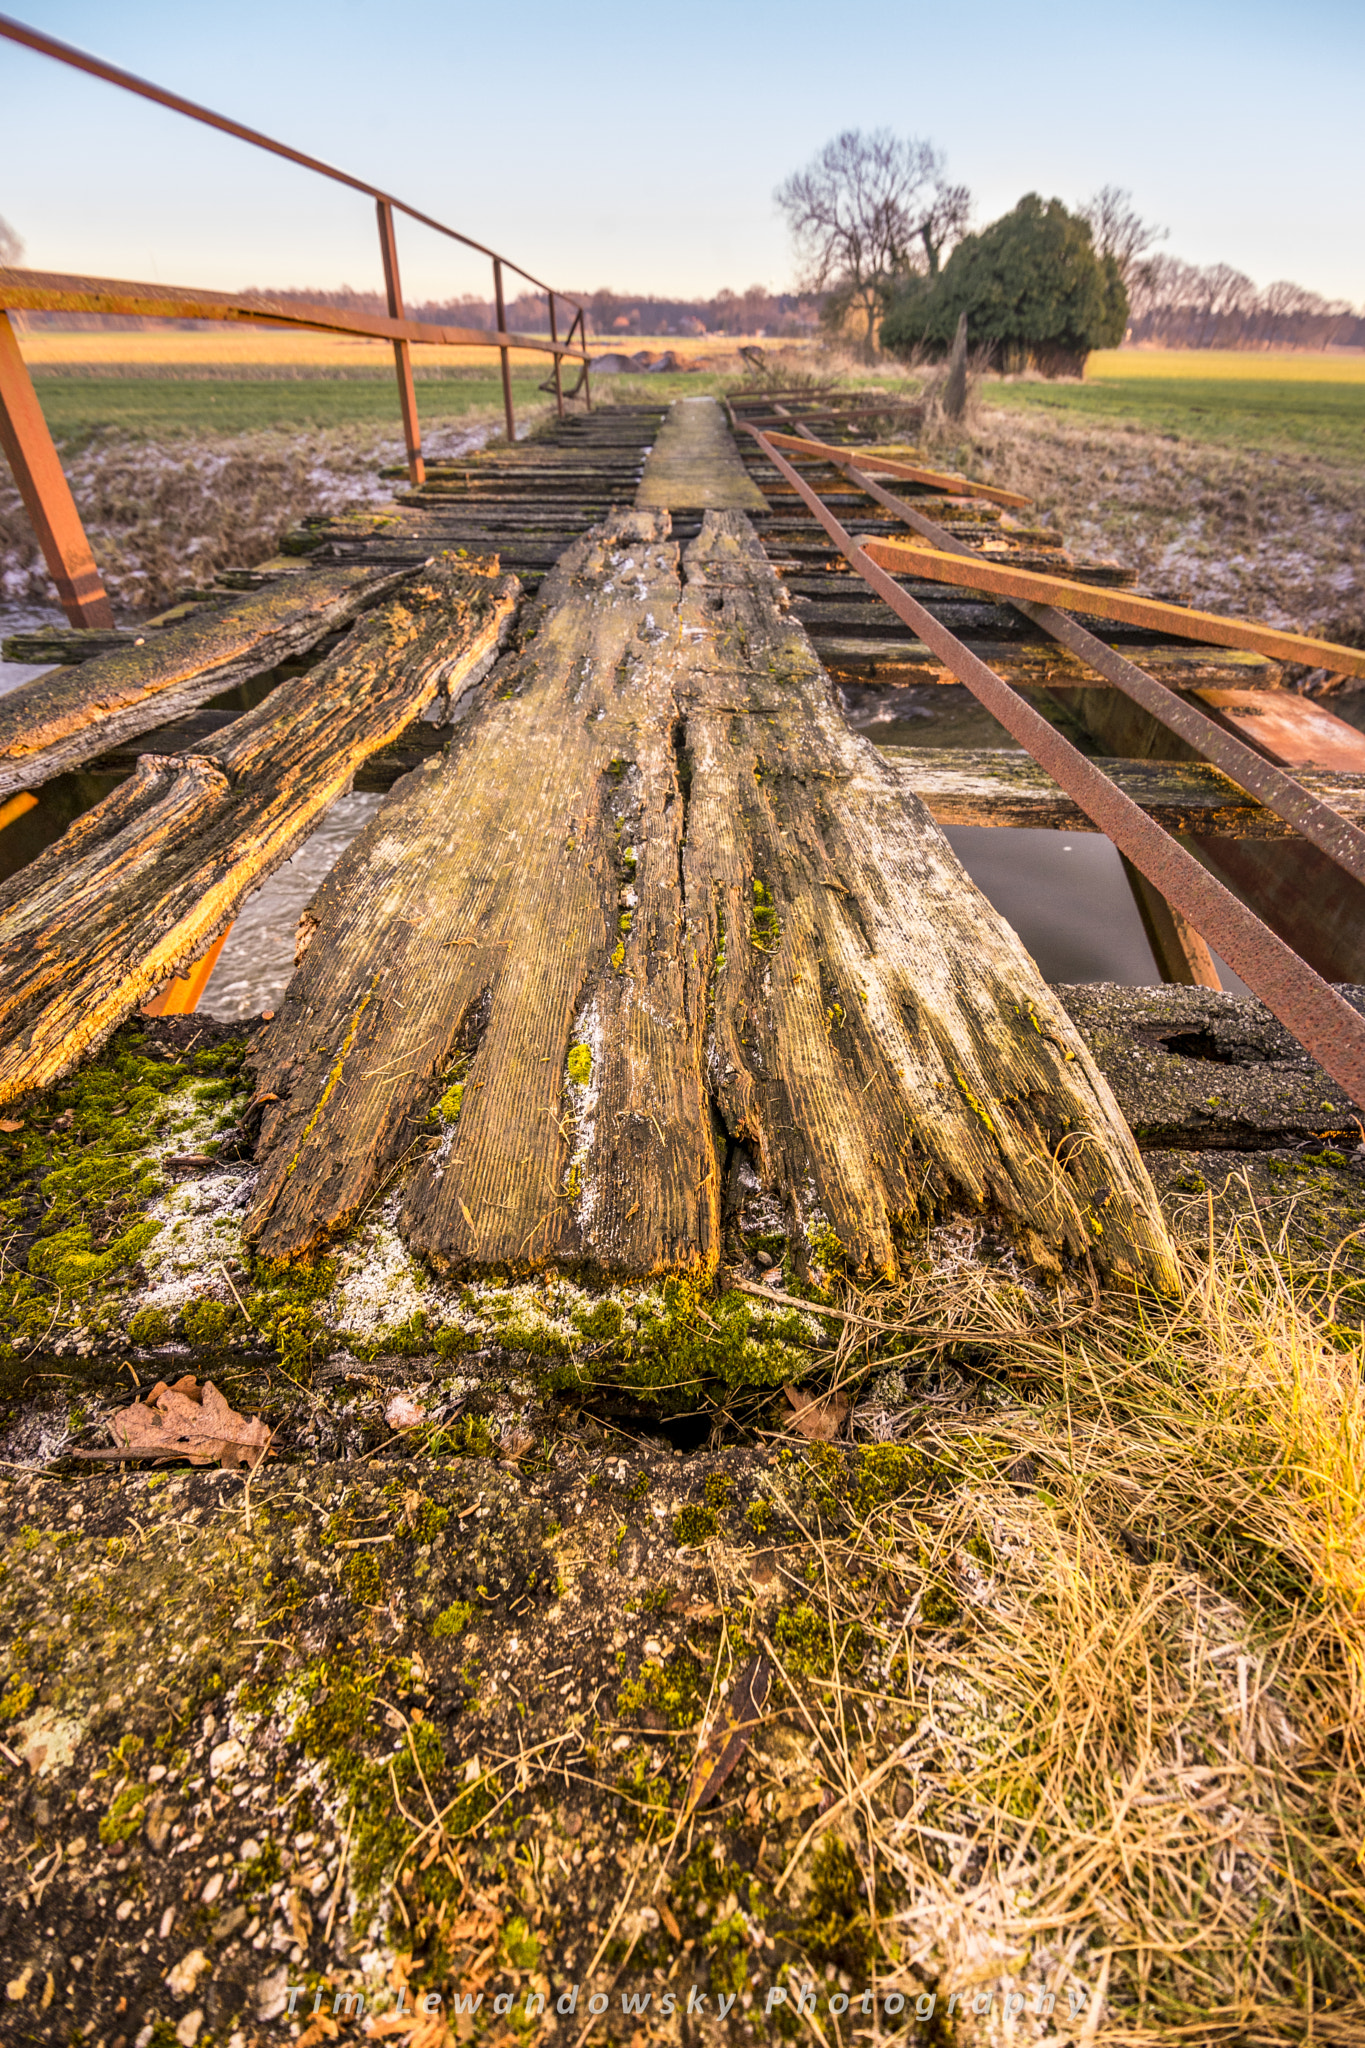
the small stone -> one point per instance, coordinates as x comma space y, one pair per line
186, 1973
212, 1888
227, 1756
125, 1909
187, 2033
404, 1413
249, 1850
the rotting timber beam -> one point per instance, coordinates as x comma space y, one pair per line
56, 722
141, 885
656, 901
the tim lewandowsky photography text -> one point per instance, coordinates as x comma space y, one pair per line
806, 2001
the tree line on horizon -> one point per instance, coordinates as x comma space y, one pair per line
877, 225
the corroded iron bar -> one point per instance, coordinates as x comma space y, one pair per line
1323, 1022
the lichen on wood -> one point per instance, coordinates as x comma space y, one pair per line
139, 886
656, 838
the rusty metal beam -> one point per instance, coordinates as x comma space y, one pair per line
402, 350
128, 81
506, 359
886, 465
1342, 841
1030, 586
182, 995
53, 291
1323, 1022
1181, 955
45, 491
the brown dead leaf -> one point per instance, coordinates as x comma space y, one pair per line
730, 1732
300, 1917
186, 1421
669, 1922
9, 1123
819, 1417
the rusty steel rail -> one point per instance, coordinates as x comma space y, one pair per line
1342, 841
1322, 1020
23, 431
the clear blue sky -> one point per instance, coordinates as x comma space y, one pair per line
638, 145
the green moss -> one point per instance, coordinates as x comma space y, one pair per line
765, 930
16, 1699
206, 1322
453, 1620
671, 1689
758, 1516
450, 1103
602, 1323
580, 1064
834, 1926
939, 1607
126, 1813
520, 1945
803, 1638
151, 1326
363, 1577
694, 1526
887, 1472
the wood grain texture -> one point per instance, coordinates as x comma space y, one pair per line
1034, 665
474, 924
990, 786
793, 960
55, 722
141, 885
880, 1039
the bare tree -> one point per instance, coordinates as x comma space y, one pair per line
944, 221
11, 243
858, 209
1118, 230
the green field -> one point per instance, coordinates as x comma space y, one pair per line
1279, 414
160, 408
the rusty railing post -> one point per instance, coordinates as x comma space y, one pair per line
554, 337
502, 350
45, 490
583, 344
402, 352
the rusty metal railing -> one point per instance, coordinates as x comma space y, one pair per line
1307, 1005
23, 430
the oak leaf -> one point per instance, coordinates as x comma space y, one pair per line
730, 1732
820, 1417
186, 1421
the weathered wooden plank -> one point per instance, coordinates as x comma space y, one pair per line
982, 786
141, 884
1042, 664
880, 1038
694, 463
657, 900
470, 938
57, 721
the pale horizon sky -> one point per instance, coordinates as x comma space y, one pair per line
638, 148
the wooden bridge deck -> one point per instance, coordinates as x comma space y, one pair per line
647, 900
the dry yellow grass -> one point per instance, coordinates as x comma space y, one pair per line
1298, 366
260, 347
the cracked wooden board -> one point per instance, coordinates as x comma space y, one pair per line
996, 786
55, 722
793, 960
139, 886
694, 464
475, 922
